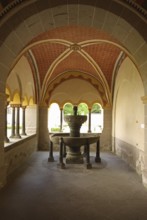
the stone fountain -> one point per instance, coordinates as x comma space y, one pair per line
74, 141
75, 122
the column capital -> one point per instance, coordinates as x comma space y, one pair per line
23, 106
15, 105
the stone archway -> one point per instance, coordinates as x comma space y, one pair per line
29, 19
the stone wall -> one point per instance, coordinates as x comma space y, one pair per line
129, 117
130, 154
106, 135
31, 119
2, 129
18, 152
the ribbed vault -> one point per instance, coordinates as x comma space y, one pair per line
88, 38
75, 49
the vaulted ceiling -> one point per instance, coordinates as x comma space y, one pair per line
64, 48
74, 49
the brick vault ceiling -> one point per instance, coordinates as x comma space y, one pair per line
74, 49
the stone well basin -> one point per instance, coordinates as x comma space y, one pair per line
74, 141
79, 141
74, 155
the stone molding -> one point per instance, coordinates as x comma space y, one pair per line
136, 6
9, 7
132, 4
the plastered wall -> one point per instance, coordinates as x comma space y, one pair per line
128, 115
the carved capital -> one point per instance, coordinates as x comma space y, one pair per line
15, 105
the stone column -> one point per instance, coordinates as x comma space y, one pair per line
17, 135
61, 119
31, 119
23, 121
89, 121
106, 136
43, 133
3, 167
6, 137
13, 122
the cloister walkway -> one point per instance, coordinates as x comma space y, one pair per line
41, 191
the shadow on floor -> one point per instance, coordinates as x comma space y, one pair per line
41, 191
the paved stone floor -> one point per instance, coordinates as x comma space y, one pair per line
41, 191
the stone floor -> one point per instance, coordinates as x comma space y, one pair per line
41, 191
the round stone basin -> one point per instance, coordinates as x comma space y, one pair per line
74, 155
74, 141
79, 141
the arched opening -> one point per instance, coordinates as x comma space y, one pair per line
83, 110
97, 118
21, 116
54, 118
67, 110
121, 36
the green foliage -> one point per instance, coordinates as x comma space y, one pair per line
96, 108
68, 109
55, 129
82, 109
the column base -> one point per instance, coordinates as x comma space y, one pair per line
17, 136
12, 136
23, 134
7, 140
